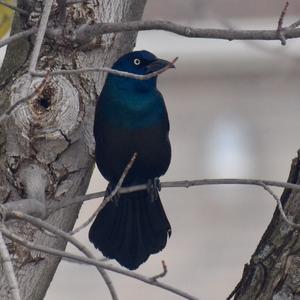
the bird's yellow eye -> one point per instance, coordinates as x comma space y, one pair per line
137, 61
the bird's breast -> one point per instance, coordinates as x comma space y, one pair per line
133, 110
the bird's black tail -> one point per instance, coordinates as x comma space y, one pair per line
131, 228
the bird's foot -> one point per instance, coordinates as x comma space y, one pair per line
115, 198
153, 187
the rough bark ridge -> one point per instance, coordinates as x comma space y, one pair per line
274, 268
53, 132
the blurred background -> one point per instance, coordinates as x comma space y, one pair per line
234, 112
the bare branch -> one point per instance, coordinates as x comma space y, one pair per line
177, 184
40, 35
88, 221
44, 225
94, 262
163, 273
9, 270
280, 30
18, 36
108, 70
110, 196
88, 31
279, 205
15, 8
294, 25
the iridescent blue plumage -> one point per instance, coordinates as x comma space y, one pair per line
131, 117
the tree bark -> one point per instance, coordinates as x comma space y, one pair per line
274, 268
52, 132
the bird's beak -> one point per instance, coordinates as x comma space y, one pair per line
159, 64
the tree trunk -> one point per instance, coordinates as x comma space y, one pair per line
52, 132
274, 268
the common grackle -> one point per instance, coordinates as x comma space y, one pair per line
131, 117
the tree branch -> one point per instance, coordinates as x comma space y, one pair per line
176, 184
88, 31
186, 184
279, 205
9, 270
17, 36
94, 262
163, 273
108, 70
40, 35
280, 30
47, 226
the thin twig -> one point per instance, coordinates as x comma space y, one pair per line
9, 270
40, 35
294, 25
177, 184
108, 70
280, 30
163, 273
94, 262
279, 205
17, 36
15, 8
44, 225
87, 222
110, 196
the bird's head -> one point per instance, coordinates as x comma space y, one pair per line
140, 63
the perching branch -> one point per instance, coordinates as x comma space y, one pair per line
9, 270
176, 184
190, 183
93, 262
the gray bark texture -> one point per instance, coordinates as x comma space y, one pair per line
274, 268
49, 139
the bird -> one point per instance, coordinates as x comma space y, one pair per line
131, 117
